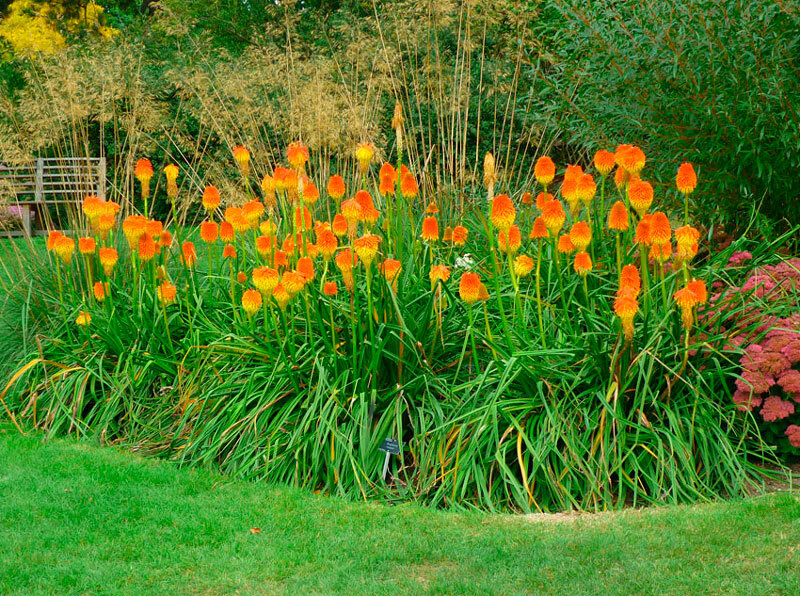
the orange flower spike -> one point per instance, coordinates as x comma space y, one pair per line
226, 232
211, 198
618, 218
241, 277
660, 228
209, 231
544, 170
240, 224
439, 273
267, 228
330, 288
279, 176
554, 217
390, 268
640, 195
630, 158
569, 190
339, 225
573, 172
167, 293
430, 229
510, 241
105, 223
387, 186
621, 178
87, 245
565, 245
604, 162
288, 245
687, 239
686, 179
252, 211
242, 157
523, 265
408, 186
84, 319
583, 263
281, 296
586, 189
580, 235
265, 245
154, 228
660, 252
281, 259
686, 299
364, 153
143, 170
52, 237
626, 307
294, 282
251, 302
460, 234
642, 235
698, 288
364, 200
64, 247
351, 210
147, 248
297, 155
345, 260
108, 259
387, 171
310, 192
447, 236
100, 291
171, 172
93, 207
431, 209
189, 254
133, 227
327, 244
539, 229
503, 212
265, 279
229, 252
542, 199
629, 279
527, 198
305, 267
366, 247
302, 218
469, 287
268, 188
336, 187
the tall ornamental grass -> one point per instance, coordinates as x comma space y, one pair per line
541, 351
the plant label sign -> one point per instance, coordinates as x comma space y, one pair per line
390, 446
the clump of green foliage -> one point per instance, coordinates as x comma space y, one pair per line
712, 83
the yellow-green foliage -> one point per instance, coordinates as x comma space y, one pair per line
33, 27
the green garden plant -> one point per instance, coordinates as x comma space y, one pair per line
525, 355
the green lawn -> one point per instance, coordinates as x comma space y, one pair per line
88, 520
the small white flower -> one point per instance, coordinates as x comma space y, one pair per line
464, 262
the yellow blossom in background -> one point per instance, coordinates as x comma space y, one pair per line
41, 27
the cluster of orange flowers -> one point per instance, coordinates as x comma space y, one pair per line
286, 265
653, 230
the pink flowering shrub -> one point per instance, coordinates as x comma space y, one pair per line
761, 317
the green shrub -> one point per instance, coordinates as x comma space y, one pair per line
714, 83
